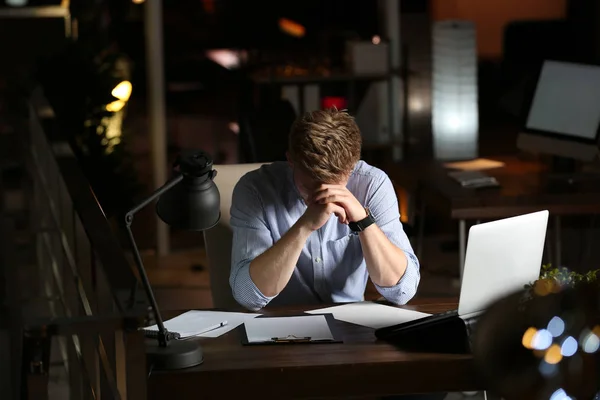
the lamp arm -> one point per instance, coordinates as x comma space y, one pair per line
156, 194
162, 332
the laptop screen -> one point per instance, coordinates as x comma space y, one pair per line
502, 257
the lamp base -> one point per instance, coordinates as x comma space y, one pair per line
176, 355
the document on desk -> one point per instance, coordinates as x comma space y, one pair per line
304, 329
474, 165
369, 314
198, 323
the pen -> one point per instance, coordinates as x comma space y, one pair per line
291, 339
210, 328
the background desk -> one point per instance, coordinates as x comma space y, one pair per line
359, 367
526, 186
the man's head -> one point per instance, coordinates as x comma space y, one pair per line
323, 148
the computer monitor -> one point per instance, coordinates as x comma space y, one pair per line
564, 115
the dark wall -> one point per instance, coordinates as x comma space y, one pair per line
25, 40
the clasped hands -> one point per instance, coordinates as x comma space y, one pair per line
332, 199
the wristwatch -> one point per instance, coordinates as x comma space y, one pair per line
363, 224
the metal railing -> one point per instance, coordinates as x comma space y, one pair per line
83, 278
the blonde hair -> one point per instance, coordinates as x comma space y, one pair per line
325, 144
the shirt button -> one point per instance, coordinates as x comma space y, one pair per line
318, 259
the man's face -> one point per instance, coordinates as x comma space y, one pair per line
306, 185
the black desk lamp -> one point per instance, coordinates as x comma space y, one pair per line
190, 200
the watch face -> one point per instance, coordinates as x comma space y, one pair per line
361, 225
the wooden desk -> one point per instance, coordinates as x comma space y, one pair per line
359, 367
526, 186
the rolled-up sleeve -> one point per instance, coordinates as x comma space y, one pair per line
383, 205
251, 237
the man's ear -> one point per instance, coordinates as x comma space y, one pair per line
289, 159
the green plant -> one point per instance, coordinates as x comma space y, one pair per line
553, 280
77, 83
565, 277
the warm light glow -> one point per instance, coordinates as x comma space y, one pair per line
16, 3
291, 28
112, 128
415, 104
115, 106
492, 25
137, 1
225, 58
455, 115
543, 287
553, 355
234, 127
528, 338
539, 353
122, 91
376, 39
209, 6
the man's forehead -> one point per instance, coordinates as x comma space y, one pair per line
310, 182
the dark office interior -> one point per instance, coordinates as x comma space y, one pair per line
477, 111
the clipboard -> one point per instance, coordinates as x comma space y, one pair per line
293, 339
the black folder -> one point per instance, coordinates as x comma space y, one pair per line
434, 334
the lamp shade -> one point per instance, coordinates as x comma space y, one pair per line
193, 203
454, 107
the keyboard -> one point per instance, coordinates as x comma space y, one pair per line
473, 179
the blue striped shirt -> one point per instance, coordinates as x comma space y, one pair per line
331, 267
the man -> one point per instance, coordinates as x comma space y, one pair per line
315, 228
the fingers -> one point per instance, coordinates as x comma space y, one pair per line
331, 186
335, 198
330, 195
338, 211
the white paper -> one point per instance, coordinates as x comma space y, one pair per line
314, 327
233, 321
369, 314
204, 323
475, 165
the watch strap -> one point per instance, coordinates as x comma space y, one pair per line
363, 224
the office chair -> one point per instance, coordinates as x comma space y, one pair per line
218, 240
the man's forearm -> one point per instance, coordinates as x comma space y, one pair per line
386, 262
272, 270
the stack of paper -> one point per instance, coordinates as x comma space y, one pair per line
369, 314
204, 323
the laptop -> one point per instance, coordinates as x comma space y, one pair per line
501, 258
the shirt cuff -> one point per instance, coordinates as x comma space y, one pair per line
246, 293
406, 288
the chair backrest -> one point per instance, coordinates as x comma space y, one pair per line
218, 239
